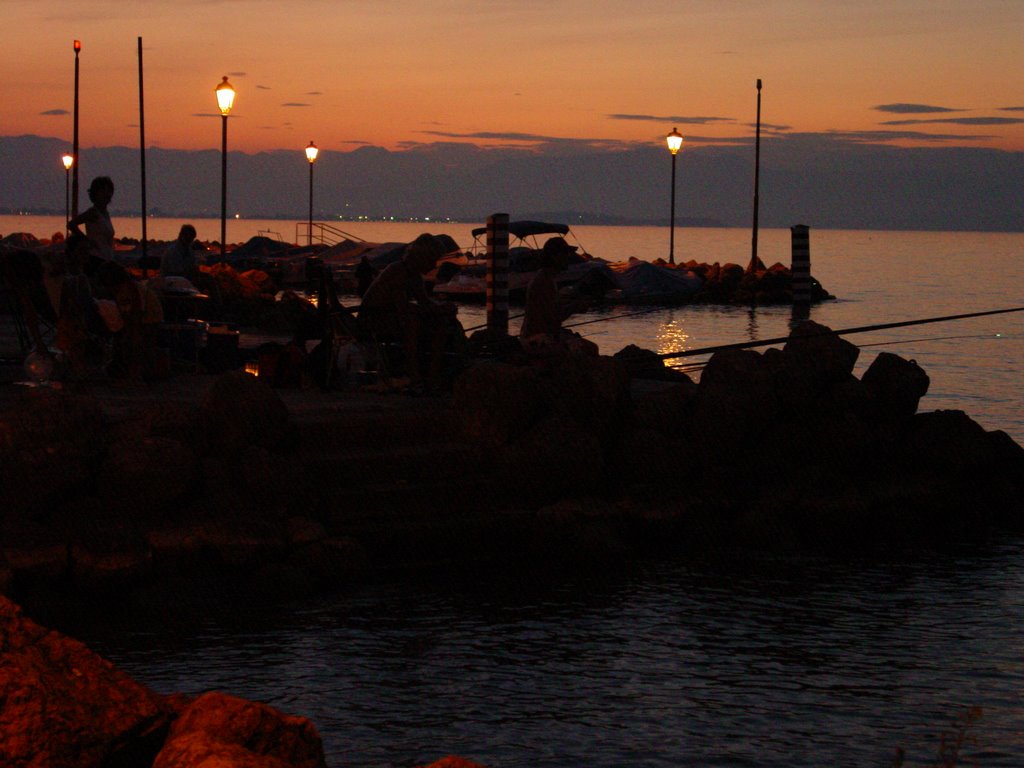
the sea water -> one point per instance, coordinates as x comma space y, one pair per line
726, 660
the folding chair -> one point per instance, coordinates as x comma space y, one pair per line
341, 326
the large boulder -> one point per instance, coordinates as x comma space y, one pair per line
734, 403
498, 402
62, 706
821, 353
146, 475
227, 732
50, 444
239, 410
895, 386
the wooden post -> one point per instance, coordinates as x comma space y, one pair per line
801, 270
497, 273
142, 160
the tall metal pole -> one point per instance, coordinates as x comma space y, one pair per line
757, 181
74, 142
223, 184
672, 218
67, 195
142, 151
310, 203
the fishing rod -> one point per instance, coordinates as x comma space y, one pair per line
615, 317
484, 325
841, 332
685, 367
584, 322
934, 338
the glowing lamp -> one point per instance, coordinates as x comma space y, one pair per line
311, 152
674, 141
225, 96
68, 159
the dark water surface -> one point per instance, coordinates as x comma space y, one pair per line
779, 662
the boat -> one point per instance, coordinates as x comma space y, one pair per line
462, 276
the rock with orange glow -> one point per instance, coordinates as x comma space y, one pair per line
453, 761
62, 706
240, 410
227, 732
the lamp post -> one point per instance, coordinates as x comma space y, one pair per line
225, 100
311, 153
69, 160
675, 142
74, 142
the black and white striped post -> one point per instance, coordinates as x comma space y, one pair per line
800, 269
497, 273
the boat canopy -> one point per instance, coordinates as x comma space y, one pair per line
522, 229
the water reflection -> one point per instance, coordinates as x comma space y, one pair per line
671, 336
745, 661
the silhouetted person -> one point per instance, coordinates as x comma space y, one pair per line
542, 333
396, 307
96, 219
179, 259
141, 313
364, 275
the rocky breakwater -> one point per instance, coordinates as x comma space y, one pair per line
784, 449
109, 491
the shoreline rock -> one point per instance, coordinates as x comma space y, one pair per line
115, 492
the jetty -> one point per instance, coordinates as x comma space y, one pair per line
217, 487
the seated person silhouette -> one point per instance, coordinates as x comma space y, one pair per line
141, 314
397, 307
542, 334
179, 260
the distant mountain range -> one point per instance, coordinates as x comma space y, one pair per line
820, 180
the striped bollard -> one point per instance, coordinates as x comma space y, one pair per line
497, 273
801, 271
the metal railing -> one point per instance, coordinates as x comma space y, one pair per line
322, 233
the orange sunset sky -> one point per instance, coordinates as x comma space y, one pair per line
396, 73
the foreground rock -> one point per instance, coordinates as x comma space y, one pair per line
62, 706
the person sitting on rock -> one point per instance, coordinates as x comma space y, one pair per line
141, 313
179, 260
542, 334
397, 307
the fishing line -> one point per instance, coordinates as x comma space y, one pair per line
841, 332
934, 338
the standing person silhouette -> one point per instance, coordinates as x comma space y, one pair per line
96, 219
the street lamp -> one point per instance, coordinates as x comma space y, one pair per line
225, 100
74, 139
675, 143
311, 153
69, 160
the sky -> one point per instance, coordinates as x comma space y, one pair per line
536, 74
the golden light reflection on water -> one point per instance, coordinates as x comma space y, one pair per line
672, 337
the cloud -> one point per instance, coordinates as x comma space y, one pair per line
296, 104
913, 109
238, 74
50, 112
1011, 109
314, 93
680, 119
770, 127
263, 88
959, 121
873, 137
